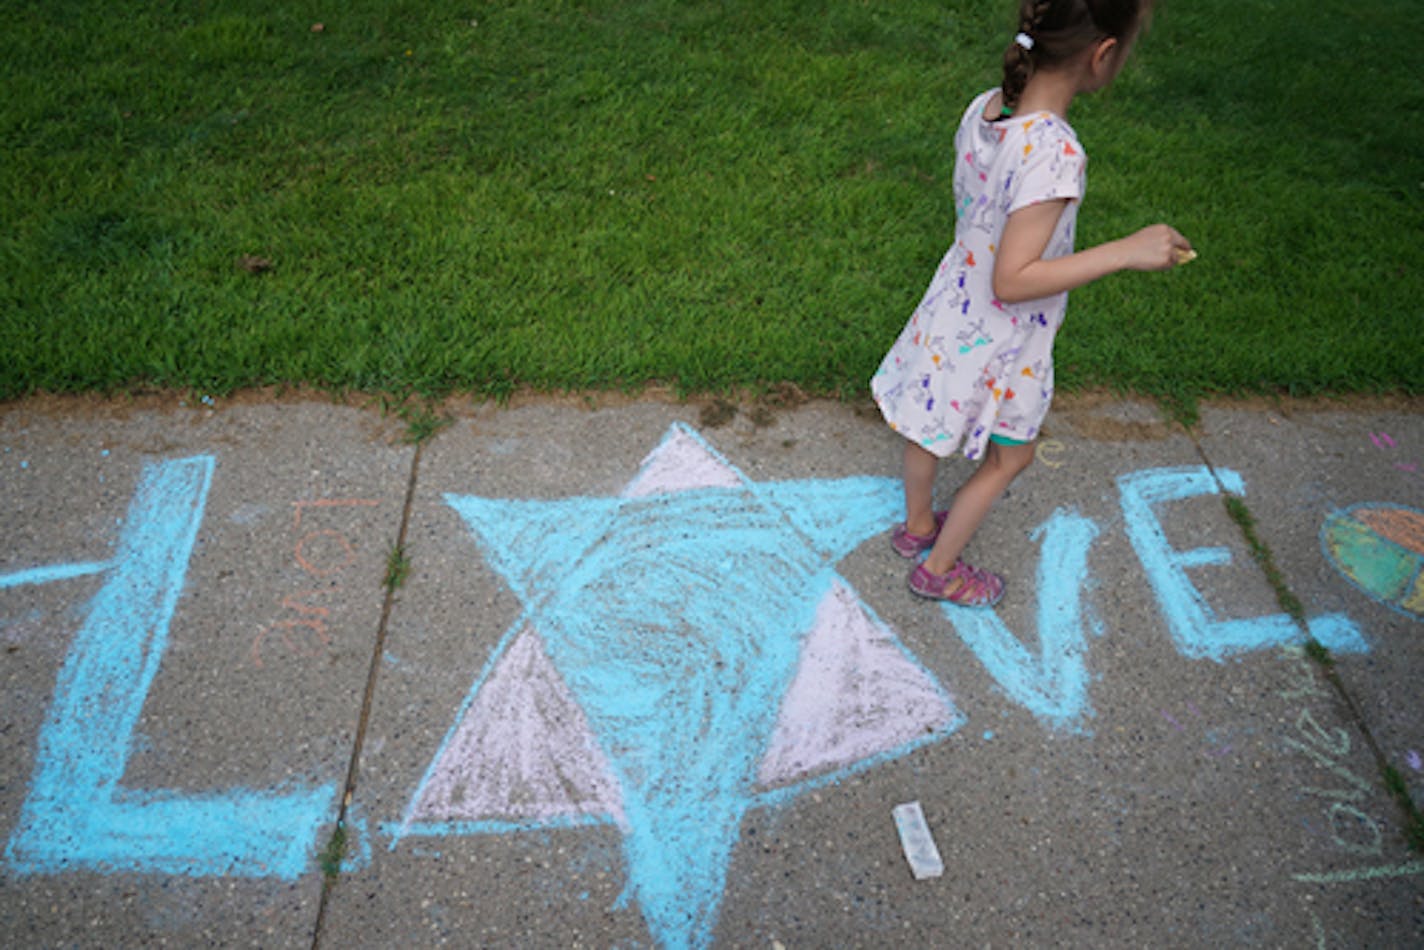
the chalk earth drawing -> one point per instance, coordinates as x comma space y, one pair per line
1379, 548
686, 652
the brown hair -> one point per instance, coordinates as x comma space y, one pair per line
1060, 29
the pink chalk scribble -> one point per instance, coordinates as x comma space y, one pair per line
855, 695
523, 751
1219, 743
681, 463
1387, 443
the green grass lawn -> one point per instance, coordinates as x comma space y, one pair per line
481, 196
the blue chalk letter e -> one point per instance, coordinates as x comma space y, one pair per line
1196, 632
77, 815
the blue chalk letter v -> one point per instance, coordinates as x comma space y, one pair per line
1051, 683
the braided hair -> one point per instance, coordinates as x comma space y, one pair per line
1057, 31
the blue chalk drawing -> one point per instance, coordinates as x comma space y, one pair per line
1194, 628
52, 572
1052, 683
697, 624
77, 816
676, 619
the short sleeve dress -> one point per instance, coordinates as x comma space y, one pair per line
968, 366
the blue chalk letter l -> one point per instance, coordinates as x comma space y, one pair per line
77, 815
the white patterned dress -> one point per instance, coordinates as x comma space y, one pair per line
968, 366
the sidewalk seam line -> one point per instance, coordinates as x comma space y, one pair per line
1409, 813
368, 696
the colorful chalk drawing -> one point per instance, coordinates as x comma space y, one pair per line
304, 632
1379, 548
1342, 797
1386, 443
77, 816
686, 652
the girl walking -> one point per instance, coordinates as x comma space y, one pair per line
973, 368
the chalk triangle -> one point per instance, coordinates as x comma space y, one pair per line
835, 515
530, 541
682, 462
856, 695
522, 751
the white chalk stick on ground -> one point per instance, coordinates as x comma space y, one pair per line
916, 840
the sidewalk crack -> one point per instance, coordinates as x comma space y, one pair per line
1394, 785
335, 850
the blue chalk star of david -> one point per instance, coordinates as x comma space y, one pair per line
676, 622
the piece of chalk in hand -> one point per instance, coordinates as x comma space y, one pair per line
1185, 254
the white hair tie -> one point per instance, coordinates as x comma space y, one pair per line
1024, 40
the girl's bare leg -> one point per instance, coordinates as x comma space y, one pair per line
1001, 465
920, 467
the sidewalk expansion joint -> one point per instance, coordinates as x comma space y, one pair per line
332, 855
1261, 553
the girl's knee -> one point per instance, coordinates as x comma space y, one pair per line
1011, 459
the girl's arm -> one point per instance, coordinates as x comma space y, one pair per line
1021, 273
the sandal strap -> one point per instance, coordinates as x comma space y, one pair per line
962, 584
977, 586
907, 544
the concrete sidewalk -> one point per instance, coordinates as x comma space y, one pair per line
611, 673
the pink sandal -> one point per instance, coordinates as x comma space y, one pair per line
909, 545
963, 585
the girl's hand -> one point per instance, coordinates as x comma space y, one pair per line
1021, 273
1156, 248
